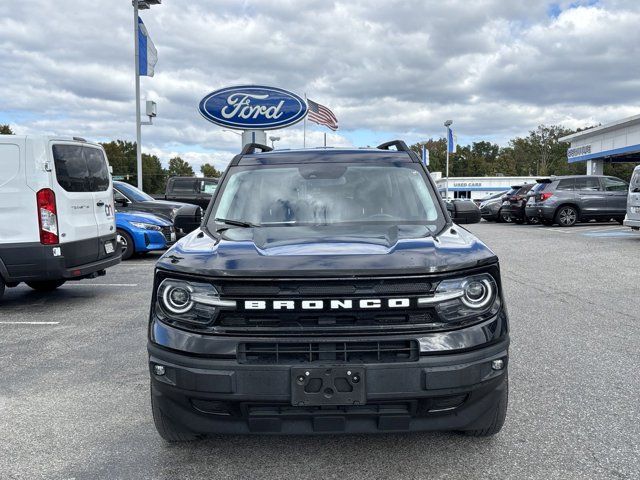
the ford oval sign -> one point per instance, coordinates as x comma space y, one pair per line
253, 107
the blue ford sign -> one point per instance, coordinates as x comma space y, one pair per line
252, 107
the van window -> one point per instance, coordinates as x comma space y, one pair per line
612, 184
635, 181
80, 168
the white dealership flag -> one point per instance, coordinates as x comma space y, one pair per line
147, 51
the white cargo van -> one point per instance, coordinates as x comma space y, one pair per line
57, 218
633, 202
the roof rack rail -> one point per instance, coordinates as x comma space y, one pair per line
252, 147
399, 144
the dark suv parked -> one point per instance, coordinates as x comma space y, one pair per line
514, 204
579, 198
328, 290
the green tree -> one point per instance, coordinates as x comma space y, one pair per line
180, 168
154, 177
6, 130
209, 170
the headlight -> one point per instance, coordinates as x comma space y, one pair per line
146, 226
461, 298
190, 302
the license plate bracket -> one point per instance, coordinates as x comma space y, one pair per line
317, 386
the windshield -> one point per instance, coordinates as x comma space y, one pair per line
132, 193
328, 194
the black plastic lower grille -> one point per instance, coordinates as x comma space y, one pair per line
343, 352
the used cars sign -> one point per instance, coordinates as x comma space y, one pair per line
251, 107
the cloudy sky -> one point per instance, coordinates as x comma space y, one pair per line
388, 69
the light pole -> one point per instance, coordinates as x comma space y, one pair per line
447, 124
139, 5
273, 140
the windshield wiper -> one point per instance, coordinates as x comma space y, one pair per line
236, 223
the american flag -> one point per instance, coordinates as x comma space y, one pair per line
321, 115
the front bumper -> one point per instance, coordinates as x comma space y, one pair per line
442, 390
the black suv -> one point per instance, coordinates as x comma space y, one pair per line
579, 198
328, 291
514, 204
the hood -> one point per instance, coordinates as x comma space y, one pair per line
142, 217
323, 251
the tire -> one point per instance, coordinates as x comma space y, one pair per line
128, 247
165, 427
46, 286
1, 287
503, 217
499, 416
620, 220
566, 216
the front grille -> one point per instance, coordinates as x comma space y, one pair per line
340, 321
293, 322
343, 352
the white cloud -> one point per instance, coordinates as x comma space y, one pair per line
386, 68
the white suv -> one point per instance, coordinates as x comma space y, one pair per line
633, 202
57, 218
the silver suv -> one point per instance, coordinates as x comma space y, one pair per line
579, 198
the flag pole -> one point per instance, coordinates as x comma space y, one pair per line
325, 139
304, 128
138, 127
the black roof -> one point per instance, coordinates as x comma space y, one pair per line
268, 156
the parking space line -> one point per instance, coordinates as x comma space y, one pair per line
101, 285
29, 323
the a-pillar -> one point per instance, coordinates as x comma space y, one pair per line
595, 167
254, 136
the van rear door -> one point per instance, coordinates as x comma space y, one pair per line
81, 183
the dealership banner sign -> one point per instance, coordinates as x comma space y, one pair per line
253, 107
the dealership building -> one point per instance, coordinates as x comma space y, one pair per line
617, 141
477, 187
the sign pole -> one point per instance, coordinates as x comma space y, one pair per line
446, 184
304, 127
138, 127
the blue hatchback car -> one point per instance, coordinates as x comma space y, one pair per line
140, 232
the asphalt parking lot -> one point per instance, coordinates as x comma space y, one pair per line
74, 390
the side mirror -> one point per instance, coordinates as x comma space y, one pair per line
464, 212
121, 201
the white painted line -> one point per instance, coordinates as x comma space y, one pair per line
70, 284
29, 323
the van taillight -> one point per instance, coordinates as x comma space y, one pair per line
544, 196
47, 216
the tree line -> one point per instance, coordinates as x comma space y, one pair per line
540, 153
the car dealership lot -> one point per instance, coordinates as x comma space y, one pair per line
74, 382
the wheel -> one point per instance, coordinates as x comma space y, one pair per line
503, 217
566, 216
165, 427
1, 287
128, 248
620, 220
499, 415
46, 286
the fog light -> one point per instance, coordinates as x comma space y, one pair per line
158, 369
497, 364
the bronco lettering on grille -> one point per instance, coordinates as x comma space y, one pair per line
345, 304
